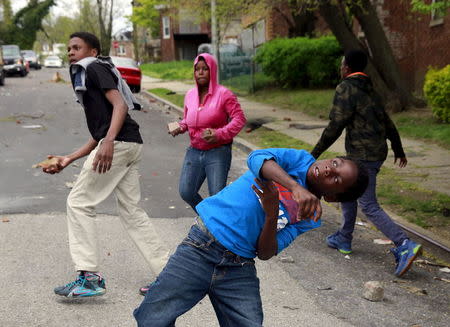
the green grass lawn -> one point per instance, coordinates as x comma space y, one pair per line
166, 94
172, 70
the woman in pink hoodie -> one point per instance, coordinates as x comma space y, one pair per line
213, 117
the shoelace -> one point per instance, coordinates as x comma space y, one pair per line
79, 281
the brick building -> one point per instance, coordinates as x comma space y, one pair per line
181, 34
122, 44
418, 40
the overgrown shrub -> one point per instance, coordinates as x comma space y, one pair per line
437, 92
301, 61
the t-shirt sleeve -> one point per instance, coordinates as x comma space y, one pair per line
101, 76
287, 235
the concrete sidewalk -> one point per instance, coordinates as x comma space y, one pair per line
428, 164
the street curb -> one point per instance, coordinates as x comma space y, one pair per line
239, 142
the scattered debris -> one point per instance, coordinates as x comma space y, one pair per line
290, 307
108, 254
5, 220
373, 291
382, 242
287, 259
69, 184
324, 288
172, 207
347, 257
152, 100
361, 223
274, 110
415, 290
400, 281
144, 110
32, 126
429, 263
287, 119
46, 163
445, 270
37, 115
304, 126
57, 78
171, 93
442, 279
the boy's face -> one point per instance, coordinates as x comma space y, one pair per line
77, 49
331, 177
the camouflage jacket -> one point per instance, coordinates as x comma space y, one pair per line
358, 109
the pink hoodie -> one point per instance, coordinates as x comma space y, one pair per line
220, 111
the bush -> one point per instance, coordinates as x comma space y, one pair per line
437, 91
301, 61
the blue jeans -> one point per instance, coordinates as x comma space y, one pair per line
212, 164
371, 208
201, 266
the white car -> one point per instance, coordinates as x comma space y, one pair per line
53, 61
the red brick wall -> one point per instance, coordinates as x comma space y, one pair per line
415, 43
168, 45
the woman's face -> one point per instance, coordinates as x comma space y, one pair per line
201, 73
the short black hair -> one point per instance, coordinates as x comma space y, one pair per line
359, 187
90, 39
356, 60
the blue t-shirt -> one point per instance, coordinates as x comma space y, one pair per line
235, 215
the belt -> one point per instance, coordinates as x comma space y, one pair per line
201, 225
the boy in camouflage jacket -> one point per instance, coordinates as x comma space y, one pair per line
359, 110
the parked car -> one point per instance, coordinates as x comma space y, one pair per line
2, 71
13, 60
53, 61
31, 57
130, 72
233, 61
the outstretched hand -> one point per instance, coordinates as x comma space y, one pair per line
62, 162
309, 204
268, 193
402, 161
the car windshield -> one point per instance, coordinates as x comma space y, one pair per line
11, 51
123, 62
53, 58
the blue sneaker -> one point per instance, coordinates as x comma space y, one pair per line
87, 284
337, 241
404, 255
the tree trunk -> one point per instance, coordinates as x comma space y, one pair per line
336, 21
105, 33
381, 51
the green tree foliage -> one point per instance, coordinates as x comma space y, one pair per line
26, 23
426, 7
437, 90
145, 14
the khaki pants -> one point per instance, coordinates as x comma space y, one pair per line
91, 188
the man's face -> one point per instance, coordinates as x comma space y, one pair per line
332, 176
201, 73
77, 49
345, 70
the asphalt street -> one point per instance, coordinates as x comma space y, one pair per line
307, 285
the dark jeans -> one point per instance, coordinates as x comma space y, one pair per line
371, 208
211, 164
201, 266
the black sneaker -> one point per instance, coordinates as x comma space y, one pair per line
87, 284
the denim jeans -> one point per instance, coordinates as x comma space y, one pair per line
371, 208
211, 164
201, 266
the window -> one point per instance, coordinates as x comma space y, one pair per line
166, 27
121, 50
437, 15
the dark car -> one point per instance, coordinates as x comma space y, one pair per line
31, 58
233, 61
130, 72
2, 71
13, 60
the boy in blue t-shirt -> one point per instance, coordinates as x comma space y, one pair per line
241, 222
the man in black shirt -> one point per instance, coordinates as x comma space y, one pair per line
114, 153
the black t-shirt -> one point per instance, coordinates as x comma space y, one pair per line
98, 110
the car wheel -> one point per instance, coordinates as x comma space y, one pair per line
2, 79
137, 89
23, 73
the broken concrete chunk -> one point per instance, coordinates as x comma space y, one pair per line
46, 163
287, 259
373, 291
